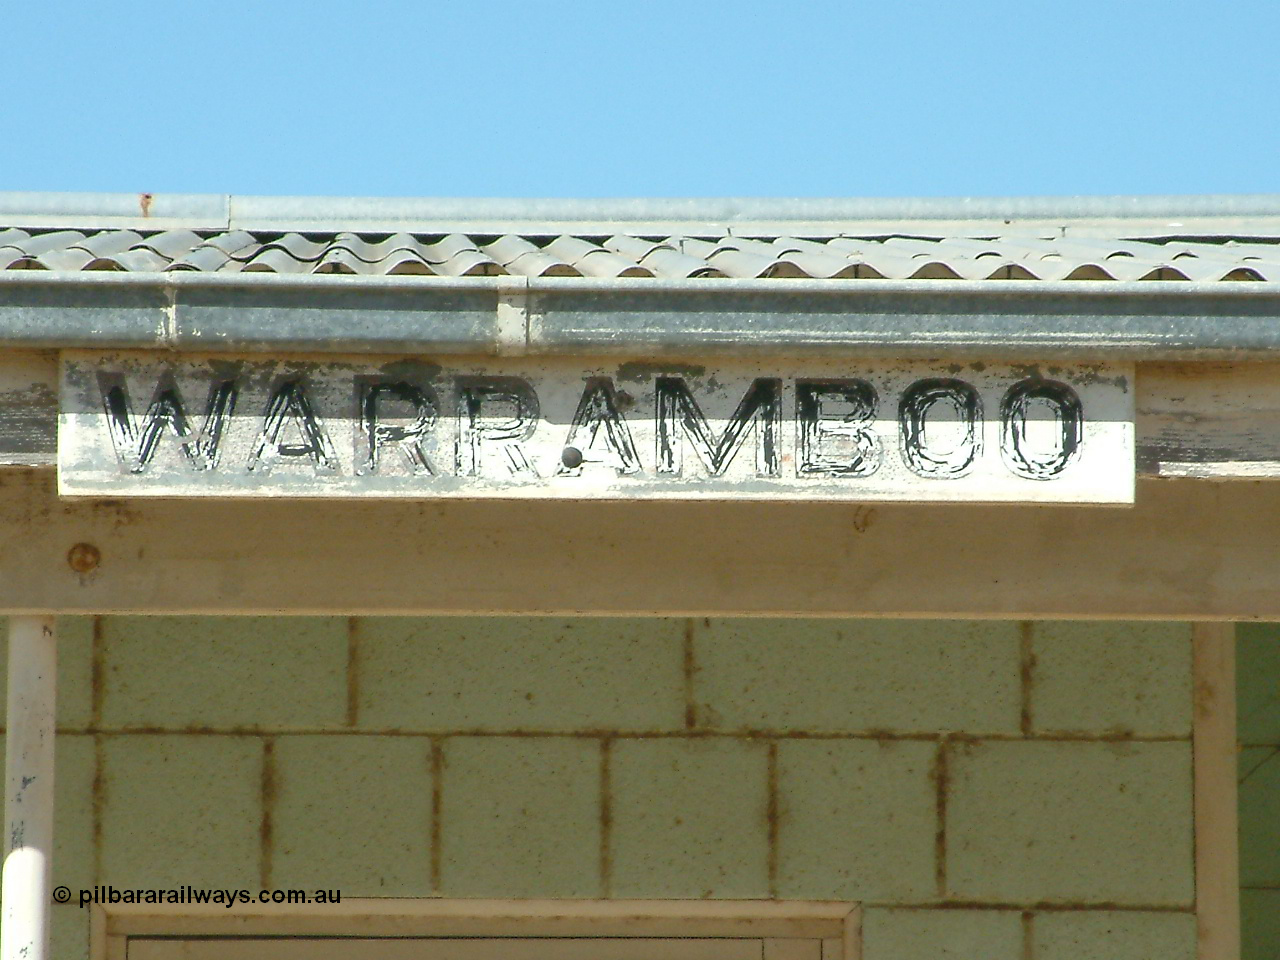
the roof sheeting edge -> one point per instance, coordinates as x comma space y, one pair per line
159, 211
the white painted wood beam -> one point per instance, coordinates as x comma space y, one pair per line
28, 806
1187, 550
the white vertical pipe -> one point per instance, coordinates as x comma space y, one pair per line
28, 796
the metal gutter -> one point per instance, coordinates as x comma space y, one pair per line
559, 315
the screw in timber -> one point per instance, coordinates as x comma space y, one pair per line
84, 558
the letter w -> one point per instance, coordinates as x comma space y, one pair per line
136, 443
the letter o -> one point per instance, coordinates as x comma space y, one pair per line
1014, 448
917, 401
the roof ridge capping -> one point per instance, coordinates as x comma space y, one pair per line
1220, 214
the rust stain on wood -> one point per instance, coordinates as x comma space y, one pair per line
1206, 698
863, 518
121, 513
1028, 935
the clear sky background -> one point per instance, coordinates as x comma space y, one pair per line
560, 99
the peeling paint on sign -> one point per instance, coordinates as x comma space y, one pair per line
142, 425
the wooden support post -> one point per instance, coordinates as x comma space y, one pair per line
1217, 857
28, 800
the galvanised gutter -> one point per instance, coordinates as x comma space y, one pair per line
190, 311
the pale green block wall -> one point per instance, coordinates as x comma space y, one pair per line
959, 778
519, 817
689, 818
1258, 707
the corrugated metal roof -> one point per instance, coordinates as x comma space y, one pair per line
1018, 256
1098, 238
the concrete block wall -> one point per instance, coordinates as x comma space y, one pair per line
1258, 708
990, 790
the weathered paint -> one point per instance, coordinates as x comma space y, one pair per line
143, 425
1209, 420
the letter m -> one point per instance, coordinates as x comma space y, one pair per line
761, 408
137, 440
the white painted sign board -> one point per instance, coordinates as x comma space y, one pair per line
146, 424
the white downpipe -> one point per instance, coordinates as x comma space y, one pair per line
28, 797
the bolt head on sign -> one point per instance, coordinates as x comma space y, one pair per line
138, 424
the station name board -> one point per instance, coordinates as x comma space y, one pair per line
142, 424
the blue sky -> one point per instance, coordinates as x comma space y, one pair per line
660, 98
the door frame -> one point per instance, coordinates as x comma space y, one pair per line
838, 924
